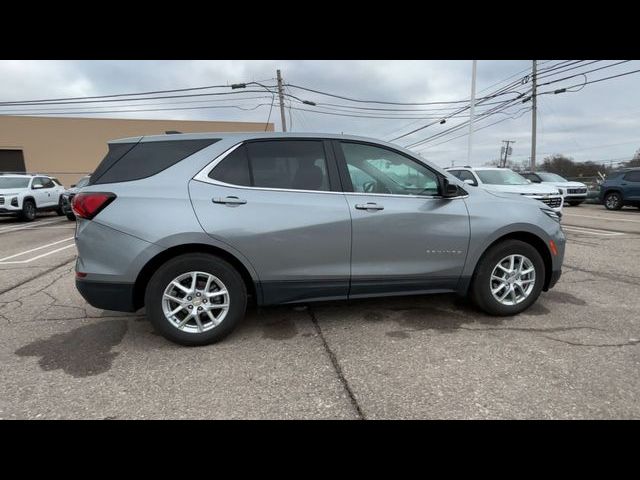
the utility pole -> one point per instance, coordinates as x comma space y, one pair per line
472, 111
506, 150
534, 110
281, 97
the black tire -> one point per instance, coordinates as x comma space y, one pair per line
28, 213
201, 262
71, 216
574, 204
613, 201
481, 286
60, 209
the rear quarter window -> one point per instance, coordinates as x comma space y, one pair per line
133, 161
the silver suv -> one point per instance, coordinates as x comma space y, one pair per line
190, 226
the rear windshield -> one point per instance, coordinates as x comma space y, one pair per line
501, 177
551, 177
132, 161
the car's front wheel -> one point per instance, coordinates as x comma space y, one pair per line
28, 211
508, 279
195, 299
613, 201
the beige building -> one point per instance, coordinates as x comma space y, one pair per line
68, 148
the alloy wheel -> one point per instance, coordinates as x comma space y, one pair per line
512, 279
195, 302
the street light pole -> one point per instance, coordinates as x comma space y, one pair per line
534, 109
472, 111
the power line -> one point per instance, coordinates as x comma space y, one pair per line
486, 114
134, 99
583, 73
132, 110
590, 82
152, 92
376, 101
71, 109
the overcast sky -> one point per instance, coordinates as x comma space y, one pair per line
599, 122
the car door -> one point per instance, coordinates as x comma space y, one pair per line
631, 185
278, 203
51, 191
405, 236
39, 192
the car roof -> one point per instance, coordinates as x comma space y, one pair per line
477, 168
24, 175
241, 136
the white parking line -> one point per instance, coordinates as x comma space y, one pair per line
612, 218
29, 260
592, 231
14, 228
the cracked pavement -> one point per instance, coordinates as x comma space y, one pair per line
575, 354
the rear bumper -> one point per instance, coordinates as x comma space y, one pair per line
555, 276
107, 296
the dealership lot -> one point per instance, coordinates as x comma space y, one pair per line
574, 354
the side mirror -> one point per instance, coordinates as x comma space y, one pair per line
37, 187
468, 181
529, 180
449, 190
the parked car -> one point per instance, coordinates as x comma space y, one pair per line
68, 195
574, 193
621, 188
505, 180
23, 195
191, 226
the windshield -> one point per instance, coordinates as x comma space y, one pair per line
14, 182
551, 177
501, 177
83, 182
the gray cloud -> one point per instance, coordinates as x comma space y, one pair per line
600, 122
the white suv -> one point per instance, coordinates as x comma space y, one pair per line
505, 180
24, 195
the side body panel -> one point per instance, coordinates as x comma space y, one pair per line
414, 244
299, 242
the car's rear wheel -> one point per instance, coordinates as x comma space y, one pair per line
71, 216
508, 279
28, 210
613, 201
195, 299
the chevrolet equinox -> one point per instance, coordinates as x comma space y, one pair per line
190, 226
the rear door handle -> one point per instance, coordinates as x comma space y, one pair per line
230, 200
369, 206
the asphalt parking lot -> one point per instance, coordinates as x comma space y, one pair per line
575, 354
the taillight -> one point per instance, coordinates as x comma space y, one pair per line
89, 204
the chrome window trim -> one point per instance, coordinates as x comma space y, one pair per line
203, 176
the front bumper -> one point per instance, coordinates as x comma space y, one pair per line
66, 203
107, 296
9, 211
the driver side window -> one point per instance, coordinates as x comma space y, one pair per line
375, 169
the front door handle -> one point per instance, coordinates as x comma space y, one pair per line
230, 200
369, 206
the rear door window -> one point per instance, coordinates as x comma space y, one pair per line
280, 164
288, 164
